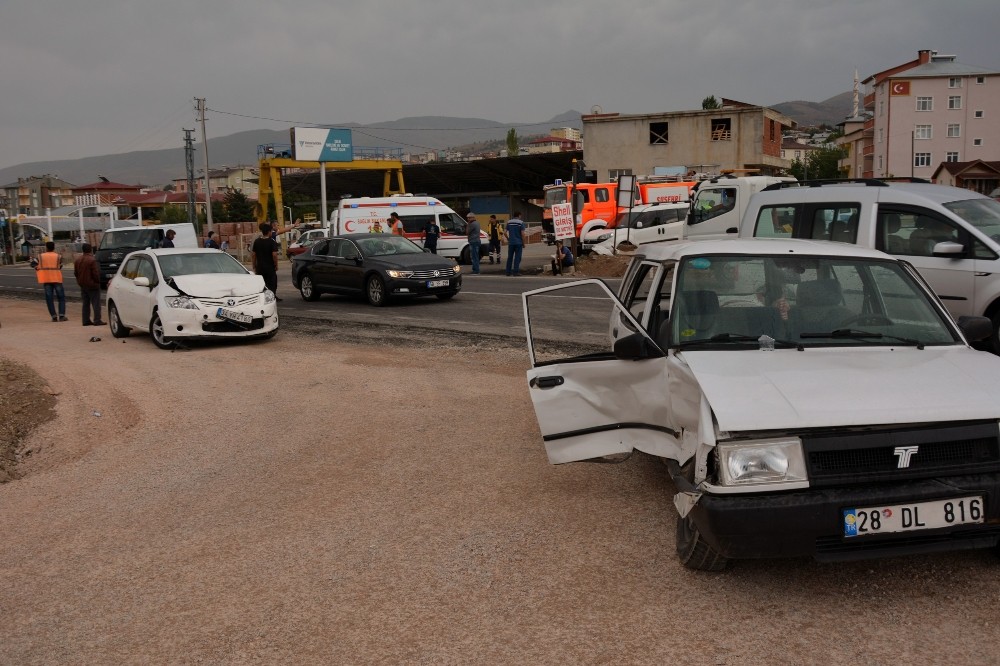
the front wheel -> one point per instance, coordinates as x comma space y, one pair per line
118, 329
466, 256
307, 288
692, 549
375, 290
158, 334
995, 347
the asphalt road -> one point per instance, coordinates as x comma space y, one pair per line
488, 304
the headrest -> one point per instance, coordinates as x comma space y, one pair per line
819, 293
892, 223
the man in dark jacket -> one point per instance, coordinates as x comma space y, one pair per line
88, 276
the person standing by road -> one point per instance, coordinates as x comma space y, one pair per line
432, 232
211, 242
49, 273
475, 242
494, 229
265, 258
514, 233
168, 240
395, 224
88, 276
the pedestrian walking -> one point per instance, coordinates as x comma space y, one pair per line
265, 258
210, 242
48, 270
475, 242
494, 229
432, 232
88, 276
514, 233
395, 224
168, 240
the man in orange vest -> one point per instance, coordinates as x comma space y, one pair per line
48, 268
396, 224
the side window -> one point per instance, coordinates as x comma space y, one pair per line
925, 231
601, 195
131, 268
774, 222
980, 251
712, 203
835, 222
415, 224
639, 294
147, 270
349, 250
889, 235
333, 248
451, 223
319, 247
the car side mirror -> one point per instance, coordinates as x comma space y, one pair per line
975, 328
638, 225
141, 281
949, 250
635, 347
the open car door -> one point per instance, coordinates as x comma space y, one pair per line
595, 396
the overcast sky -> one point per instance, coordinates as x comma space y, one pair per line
95, 77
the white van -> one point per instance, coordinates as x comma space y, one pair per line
359, 215
118, 242
949, 234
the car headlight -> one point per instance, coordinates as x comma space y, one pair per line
182, 302
761, 462
603, 237
268, 296
400, 274
457, 269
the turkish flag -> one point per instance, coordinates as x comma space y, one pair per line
899, 88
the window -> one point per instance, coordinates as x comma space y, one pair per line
925, 104
880, 135
775, 222
916, 233
881, 108
922, 132
722, 129
980, 80
658, 133
614, 173
921, 159
955, 82
835, 222
979, 114
771, 125
977, 142
954, 130
602, 194
955, 102
951, 157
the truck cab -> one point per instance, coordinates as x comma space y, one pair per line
719, 204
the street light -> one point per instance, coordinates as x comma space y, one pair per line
289, 219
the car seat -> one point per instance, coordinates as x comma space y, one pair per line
819, 307
698, 309
894, 243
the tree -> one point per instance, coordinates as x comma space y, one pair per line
513, 149
219, 212
710, 103
238, 207
172, 215
819, 164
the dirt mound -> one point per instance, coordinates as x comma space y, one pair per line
25, 403
602, 265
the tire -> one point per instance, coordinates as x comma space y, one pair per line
692, 550
375, 291
308, 288
994, 342
157, 333
466, 256
118, 329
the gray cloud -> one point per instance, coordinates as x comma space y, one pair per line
98, 77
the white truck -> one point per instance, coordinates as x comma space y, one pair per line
118, 242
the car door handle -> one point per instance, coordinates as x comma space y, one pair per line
546, 382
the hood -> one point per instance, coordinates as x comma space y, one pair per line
421, 261
219, 285
832, 387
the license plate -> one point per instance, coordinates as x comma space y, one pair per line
911, 517
223, 313
436, 283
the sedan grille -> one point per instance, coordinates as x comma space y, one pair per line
230, 302
899, 454
433, 274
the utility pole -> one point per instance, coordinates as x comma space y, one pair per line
189, 171
200, 101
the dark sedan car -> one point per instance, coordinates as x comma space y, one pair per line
380, 266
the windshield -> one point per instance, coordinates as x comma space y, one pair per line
807, 301
555, 195
388, 245
198, 264
983, 214
130, 238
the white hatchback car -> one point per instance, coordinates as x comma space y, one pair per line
177, 294
808, 398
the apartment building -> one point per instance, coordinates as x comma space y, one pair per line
737, 136
930, 110
32, 195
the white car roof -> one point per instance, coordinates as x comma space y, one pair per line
893, 192
180, 250
757, 246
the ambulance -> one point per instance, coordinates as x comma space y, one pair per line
360, 215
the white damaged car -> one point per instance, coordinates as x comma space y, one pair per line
185, 294
809, 398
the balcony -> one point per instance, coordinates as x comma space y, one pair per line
870, 101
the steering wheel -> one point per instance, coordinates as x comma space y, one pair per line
867, 319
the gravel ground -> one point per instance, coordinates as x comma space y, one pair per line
388, 500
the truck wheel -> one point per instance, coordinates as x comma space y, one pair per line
692, 550
375, 290
118, 329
